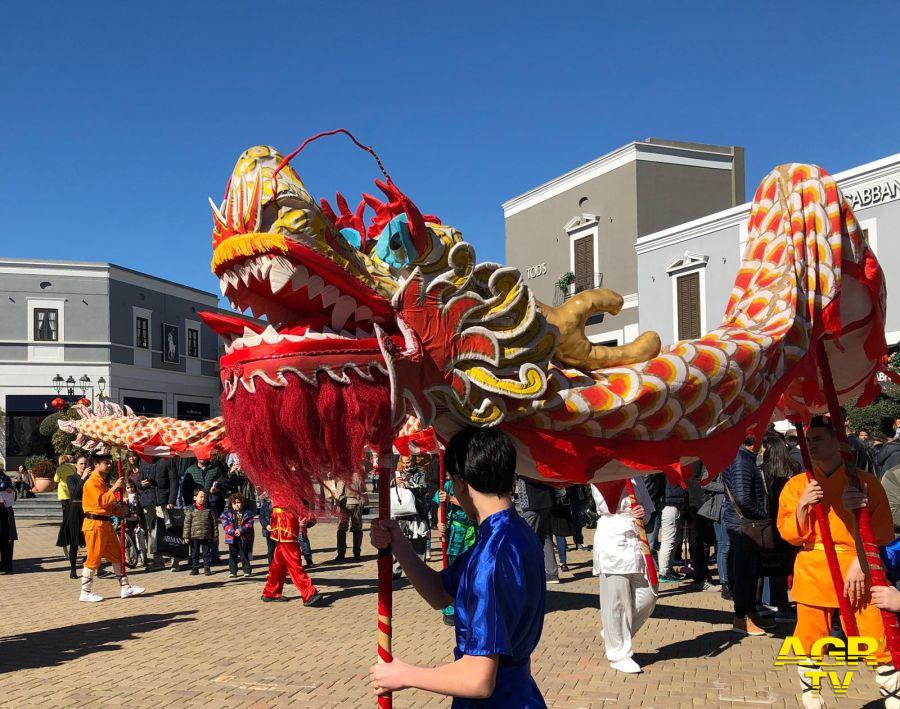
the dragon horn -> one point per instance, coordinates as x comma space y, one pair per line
575, 349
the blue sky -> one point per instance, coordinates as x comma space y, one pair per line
118, 119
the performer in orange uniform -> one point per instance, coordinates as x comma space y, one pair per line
284, 530
813, 589
97, 502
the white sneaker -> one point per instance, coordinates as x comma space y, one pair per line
90, 597
627, 665
129, 591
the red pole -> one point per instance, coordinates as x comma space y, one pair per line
385, 569
121, 518
834, 567
866, 534
442, 508
652, 576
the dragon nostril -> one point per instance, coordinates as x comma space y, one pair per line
395, 243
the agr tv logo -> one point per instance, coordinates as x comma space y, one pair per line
835, 653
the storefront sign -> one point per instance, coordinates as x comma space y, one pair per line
536, 271
878, 193
192, 410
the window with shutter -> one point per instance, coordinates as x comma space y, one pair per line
583, 249
688, 289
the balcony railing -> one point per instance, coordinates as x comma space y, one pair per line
593, 280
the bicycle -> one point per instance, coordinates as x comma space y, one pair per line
135, 542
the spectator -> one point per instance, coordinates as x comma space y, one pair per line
460, 532
891, 483
778, 467
793, 444
23, 482
237, 522
626, 597
561, 524
70, 536
414, 527
713, 511
264, 511
674, 501
8, 533
580, 498
701, 534
158, 484
63, 471
304, 523
210, 476
888, 455
746, 498
656, 488
199, 532
349, 501
134, 518
535, 500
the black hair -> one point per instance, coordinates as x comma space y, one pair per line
484, 457
98, 458
821, 422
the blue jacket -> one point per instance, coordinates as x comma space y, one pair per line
744, 481
264, 512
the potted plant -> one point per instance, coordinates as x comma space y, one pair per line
42, 470
565, 281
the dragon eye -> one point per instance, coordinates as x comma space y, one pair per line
396, 243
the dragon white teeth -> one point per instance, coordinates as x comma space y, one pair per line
363, 313
343, 309
279, 277
330, 295
270, 335
299, 278
316, 284
223, 286
248, 332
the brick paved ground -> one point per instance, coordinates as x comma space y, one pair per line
193, 641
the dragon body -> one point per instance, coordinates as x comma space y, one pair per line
370, 323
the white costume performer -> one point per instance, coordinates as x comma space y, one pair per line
626, 597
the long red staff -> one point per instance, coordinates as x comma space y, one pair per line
866, 534
652, 576
385, 569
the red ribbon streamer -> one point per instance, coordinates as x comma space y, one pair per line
652, 576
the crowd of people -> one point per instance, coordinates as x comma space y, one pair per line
744, 534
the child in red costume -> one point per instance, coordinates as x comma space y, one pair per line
284, 530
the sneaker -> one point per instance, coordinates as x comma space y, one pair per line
194, 572
786, 617
357, 556
705, 586
73, 575
313, 599
564, 567
448, 620
232, 575
554, 579
176, 567
583, 547
627, 665
272, 599
90, 597
207, 571
726, 594
746, 626
671, 577
765, 611
129, 591
248, 573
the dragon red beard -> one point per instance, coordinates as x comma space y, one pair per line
290, 437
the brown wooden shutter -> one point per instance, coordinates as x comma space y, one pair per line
688, 289
584, 262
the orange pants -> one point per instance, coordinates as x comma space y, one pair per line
286, 559
101, 543
814, 622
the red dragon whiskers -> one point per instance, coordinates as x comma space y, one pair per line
289, 437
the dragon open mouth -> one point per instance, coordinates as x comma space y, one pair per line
320, 318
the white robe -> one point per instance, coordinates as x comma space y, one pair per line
617, 545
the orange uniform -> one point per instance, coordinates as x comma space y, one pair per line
99, 536
813, 588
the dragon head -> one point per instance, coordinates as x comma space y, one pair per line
398, 308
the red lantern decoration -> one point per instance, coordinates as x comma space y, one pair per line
84, 401
58, 403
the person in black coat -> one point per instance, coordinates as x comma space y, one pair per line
745, 496
158, 483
